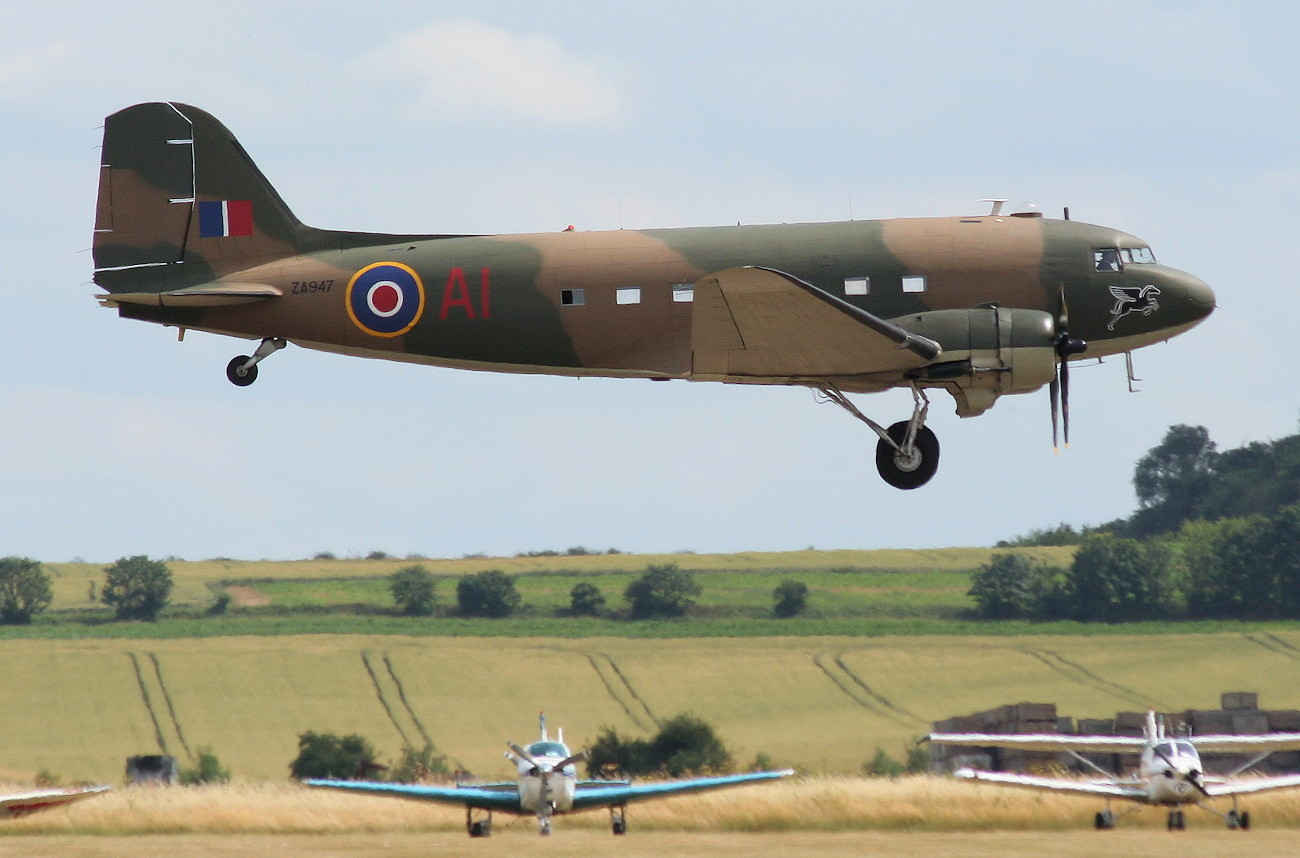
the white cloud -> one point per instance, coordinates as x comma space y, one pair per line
24, 68
468, 65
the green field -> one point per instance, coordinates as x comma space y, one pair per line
823, 704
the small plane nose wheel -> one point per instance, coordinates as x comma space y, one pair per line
242, 369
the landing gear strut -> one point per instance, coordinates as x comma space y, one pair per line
907, 454
242, 370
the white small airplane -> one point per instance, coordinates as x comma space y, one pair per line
1169, 774
19, 804
547, 784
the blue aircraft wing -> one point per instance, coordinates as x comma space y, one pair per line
503, 797
588, 797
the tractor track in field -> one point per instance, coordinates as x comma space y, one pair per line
171, 708
832, 664
1081, 675
383, 699
148, 702
621, 690
1275, 645
406, 704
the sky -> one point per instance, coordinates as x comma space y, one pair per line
1174, 121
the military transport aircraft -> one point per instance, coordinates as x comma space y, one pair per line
547, 784
189, 234
19, 804
1169, 773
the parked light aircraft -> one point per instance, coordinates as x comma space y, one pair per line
1169, 773
547, 784
19, 804
189, 234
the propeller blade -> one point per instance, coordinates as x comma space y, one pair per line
1054, 391
1065, 399
523, 755
573, 758
1195, 777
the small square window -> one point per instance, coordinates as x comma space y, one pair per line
857, 285
572, 297
683, 293
627, 295
914, 283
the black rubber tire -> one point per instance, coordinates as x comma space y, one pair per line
1245, 820
899, 475
232, 371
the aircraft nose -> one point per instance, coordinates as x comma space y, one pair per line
1193, 295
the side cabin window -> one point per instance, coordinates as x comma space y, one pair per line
683, 293
627, 295
914, 283
857, 285
572, 297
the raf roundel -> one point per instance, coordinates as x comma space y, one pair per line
385, 299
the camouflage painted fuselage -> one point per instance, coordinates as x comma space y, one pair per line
633, 303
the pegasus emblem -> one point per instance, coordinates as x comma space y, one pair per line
1132, 299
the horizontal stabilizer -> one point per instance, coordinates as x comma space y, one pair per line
203, 295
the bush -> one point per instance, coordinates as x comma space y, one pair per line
791, 599
137, 587
487, 594
413, 590
586, 600
24, 590
1011, 585
882, 766
1114, 579
325, 755
684, 745
663, 591
207, 770
418, 764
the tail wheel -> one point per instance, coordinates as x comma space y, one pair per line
908, 471
237, 374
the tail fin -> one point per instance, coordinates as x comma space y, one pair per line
181, 203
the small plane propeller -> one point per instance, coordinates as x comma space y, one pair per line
544, 774
1059, 390
1193, 776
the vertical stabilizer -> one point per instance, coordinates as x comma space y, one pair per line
180, 202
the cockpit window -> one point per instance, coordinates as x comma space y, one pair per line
1106, 258
548, 749
1185, 749
1115, 258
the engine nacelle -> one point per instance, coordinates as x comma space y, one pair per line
987, 352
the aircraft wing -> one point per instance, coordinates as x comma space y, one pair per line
588, 797
502, 797
1106, 789
1043, 742
1226, 744
763, 322
1242, 786
20, 804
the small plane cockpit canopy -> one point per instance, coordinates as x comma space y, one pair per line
1176, 749
548, 749
1115, 258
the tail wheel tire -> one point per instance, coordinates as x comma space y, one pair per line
237, 374
908, 472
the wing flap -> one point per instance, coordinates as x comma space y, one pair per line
203, 295
499, 798
1108, 789
762, 322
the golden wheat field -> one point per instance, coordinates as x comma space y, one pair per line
921, 815
820, 704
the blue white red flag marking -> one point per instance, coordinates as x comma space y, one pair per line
385, 299
222, 218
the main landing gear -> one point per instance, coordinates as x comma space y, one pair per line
1177, 821
242, 370
478, 822
907, 454
618, 819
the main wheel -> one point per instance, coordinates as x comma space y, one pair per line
1104, 821
908, 472
620, 826
481, 828
1245, 820
237, 374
